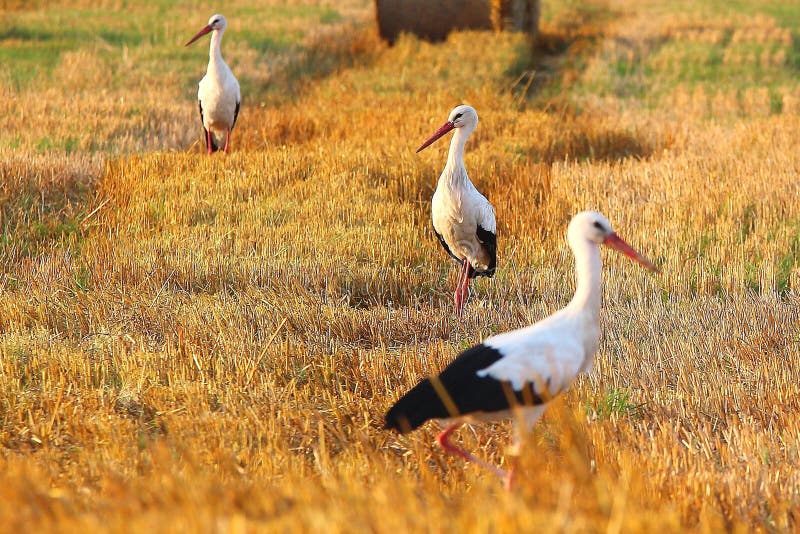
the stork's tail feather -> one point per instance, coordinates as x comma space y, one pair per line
414, 408
214, 145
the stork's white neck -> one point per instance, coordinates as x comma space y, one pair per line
214, 50
589, 271
454, 171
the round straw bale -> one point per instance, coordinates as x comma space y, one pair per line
434, 19
431, 19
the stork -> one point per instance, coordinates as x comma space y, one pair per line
463, 219
515, 374
218, 93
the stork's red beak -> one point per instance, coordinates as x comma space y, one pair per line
616, 242
446, 127
201, 33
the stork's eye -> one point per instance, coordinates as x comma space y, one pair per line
598, 226
458, 116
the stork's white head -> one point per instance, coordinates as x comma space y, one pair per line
592, 226
462, 116
215, 23
589, 225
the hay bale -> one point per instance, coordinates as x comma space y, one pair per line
431, 19
434, 19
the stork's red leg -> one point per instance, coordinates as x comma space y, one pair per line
443, 440
467, 267
458, 295
209, 143
227, 140
463, 288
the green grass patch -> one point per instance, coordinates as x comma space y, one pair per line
263, 42
613, 402
788, 262
719, 53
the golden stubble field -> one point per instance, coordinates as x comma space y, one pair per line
209, 344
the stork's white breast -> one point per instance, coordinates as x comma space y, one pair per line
218, 98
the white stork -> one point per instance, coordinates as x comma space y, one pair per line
218, 94
515, 374
463, 219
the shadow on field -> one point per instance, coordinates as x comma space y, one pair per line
585, 137
557, 57
43, 200
352, 44
355, 43
543, 78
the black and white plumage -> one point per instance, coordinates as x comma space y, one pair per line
469, 388
517, 373
218, 94
463, 219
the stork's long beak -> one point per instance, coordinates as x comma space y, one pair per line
616, 242
446, 127
201, 33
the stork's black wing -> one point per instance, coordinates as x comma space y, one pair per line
466, 392
489, 241
236, 114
